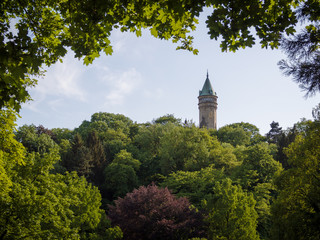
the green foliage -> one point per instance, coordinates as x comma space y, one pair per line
196, 185
264, 195
166, 119
239, 134
98, 158
62, 134
113, 131
113, 121
119, 180
33, 140
222, 156
237, 22
12, 152
258, 166
50, 206
184, 149
303, 54
125, 158
146, 148
296, 211
36, 204
79, 158
117, 156
232, 213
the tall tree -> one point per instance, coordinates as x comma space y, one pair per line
98, 158
274, 133
79, 158
296, 211
121, 175
231, 213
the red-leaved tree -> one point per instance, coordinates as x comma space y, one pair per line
154, 213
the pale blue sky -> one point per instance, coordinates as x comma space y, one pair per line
146, 78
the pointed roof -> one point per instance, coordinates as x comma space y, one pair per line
207, 88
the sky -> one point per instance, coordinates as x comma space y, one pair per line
146, 78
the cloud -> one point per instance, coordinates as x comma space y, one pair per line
121, 85
62, 80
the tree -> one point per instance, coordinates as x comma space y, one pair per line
274, 133
98, 158
316, 113
146, 147
303, 50
12, 152
195, 185
119, 180
237, 21
125, 158
121, 175
35, 139
258, 167
154, 213
79, 158
239, 134
166, 119
184, 149
231, 213
62, 133
222, 155
296, 211
36, 204
113, 131
42, 32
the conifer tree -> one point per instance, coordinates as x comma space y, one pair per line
79, 158
98, 157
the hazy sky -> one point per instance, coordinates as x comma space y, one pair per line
146, 78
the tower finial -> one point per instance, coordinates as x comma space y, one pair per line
207, 74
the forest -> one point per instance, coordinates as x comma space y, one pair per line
112, 178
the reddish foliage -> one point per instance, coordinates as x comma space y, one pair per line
154, 213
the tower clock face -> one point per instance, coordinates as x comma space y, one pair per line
207, 99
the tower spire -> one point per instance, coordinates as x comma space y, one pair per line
207, 87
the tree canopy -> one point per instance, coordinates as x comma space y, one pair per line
225, 191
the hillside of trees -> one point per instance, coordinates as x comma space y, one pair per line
112, 178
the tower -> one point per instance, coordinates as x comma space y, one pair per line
207, 106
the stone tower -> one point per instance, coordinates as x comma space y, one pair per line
207, 106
